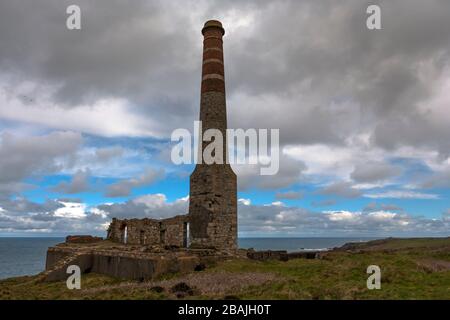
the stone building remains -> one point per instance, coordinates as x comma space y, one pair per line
212, 218
167, 232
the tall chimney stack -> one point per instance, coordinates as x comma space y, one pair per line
213, 187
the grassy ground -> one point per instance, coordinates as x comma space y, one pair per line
411, 269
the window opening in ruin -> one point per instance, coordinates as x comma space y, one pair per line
142, 237
186, 235
162, 235
125, 234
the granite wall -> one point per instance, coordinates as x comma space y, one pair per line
167, 232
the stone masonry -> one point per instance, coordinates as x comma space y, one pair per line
142, 249
212, 218
213, 187
166, 232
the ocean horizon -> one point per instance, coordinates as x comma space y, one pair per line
21, 256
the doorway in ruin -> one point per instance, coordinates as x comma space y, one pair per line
142, 237
162, 236
186, 235
123, 233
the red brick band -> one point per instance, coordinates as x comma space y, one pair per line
213, 37
212, 49
213, 68
205, 61
213, 54
213, 75
213, 85
212, 43
217, 30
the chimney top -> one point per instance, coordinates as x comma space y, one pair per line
210, 24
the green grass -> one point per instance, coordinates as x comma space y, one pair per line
344, 277
340, 275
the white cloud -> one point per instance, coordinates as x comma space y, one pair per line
278, 203
106, 117
402, 194
382, 215
152, 200
323, 159
147, 206
253, 219
71, 210
342, 215
245, 202
98, 212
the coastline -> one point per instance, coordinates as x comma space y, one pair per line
18, 258
414, 268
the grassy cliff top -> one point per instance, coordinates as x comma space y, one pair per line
410, 269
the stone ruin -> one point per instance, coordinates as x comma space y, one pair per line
83, 239
145, 248
212, 218
170, 232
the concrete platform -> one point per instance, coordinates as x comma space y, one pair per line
132, 262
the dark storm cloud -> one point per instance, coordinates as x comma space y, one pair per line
123, 188
149, 206
310, 68
106, 154
76, 200
126, 49
374, 172
323, 50
23, 206
341, 189
274, 219
437, 180
79, 183
22, 157
290, 172
324, 203
289, 195
53, 217
446, 215
373, 206
312, 64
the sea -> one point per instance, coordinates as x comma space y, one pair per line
26, 256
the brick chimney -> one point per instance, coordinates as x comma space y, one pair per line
213, 187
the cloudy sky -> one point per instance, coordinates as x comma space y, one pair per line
364, 115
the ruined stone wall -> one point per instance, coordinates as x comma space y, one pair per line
142, 231
213, 187
173, 231
83, 239
170, 232
122, 265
